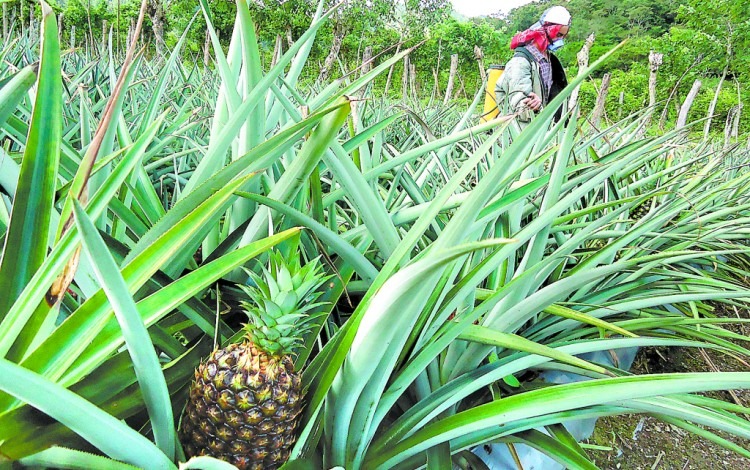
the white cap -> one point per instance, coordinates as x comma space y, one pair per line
556, 15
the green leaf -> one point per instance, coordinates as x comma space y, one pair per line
305, 464
107, 433
484, 335
13, 326
554, 448
26, 241
61, 457
147, 366
524, 406
206, 463
154, 307
353, 257
61, 349
511, 381
13, 92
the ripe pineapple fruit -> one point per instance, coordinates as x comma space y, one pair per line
246, 398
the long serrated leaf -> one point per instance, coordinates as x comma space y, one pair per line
118, 441
13, 92
60, 350
361, 265
147, 366
484, 335
26, 241
301, 167
554, 399
64, 458
33, 295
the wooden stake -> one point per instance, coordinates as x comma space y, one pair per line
276, 50
583, 63
601, 100
5, 20
289, 40
728, 127
405, 79
663, 118
685, 108
366, 61
451, 78
413, 80
207, 49
479, 56
435, 86
104, 37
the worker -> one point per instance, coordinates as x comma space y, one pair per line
534, 76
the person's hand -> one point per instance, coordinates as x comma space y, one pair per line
532, 101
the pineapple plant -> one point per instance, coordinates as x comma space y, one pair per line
246, 398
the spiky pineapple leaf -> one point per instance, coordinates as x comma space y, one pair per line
26, 241
14, 91
64, 458
119, 441
147, 367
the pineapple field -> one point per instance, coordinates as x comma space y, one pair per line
215, 268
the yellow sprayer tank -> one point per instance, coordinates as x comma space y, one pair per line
490, 106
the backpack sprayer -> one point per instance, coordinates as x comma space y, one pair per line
491, 109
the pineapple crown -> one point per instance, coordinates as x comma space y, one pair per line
280, 304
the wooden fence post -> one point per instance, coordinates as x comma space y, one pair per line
277, 52
685, 108
405, 79
654, 62
583, 63
366, 60
104, 37
601, 100
663, 119
728, 127
5, 20
451, 78
479, 56
413, 81
207, 49
289, 39
435, 86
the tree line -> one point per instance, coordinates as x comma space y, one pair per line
700, 41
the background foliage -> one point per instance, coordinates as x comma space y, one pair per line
701, 37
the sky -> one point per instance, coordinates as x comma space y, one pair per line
471, 8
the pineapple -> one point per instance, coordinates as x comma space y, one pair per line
246, 398
596, 244
638, 212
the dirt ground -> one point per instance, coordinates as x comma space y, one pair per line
640, 442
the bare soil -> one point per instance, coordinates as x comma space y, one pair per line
641, 442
